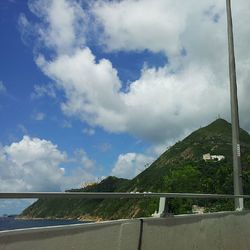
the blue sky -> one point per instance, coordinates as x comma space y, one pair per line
96, 88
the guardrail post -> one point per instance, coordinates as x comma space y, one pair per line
163, 207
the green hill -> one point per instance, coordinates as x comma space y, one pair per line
179, 169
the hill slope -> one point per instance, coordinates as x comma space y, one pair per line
179, 169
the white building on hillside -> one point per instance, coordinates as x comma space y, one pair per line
208, 157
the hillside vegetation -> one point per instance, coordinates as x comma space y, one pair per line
179, 169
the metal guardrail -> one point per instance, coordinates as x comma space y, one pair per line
107, 195
163, 204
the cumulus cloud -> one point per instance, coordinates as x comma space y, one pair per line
131, 164
165, 103
154, 108
126, 27
31, 164
62, 24
165, 29
198, 29
91, 88
34, 164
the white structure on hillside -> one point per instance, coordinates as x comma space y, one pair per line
197, 209
208, 157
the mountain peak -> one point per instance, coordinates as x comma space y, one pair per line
220, 121
215, 138
217, 127
218, 124
221, 127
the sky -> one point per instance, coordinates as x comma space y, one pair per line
95, 88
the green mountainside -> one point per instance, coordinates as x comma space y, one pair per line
179, 169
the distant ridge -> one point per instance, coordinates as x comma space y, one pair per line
179, 169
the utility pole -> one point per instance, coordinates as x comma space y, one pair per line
239, 204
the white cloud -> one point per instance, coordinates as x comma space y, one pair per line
33, 164
91, 88
2, 88
127, 27
43, 90
39, 116
27, 30
165, 103
22, 128
62, 24
197, 26
155, 107
82, 158
161, 102
131, 164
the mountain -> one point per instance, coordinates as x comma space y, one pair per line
179, 169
